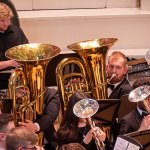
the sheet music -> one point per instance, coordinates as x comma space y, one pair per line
133, 147
122, 144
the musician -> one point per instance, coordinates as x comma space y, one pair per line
76, 130
116, 69
10, 35
45, 122
138, 119
15, 18
21, 138
118, 84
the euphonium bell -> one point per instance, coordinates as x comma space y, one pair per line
33, 60
141, 94
86, 108
93, 54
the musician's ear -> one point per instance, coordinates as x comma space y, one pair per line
2, 137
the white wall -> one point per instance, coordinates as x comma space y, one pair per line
63, 27
69, 4
132, 31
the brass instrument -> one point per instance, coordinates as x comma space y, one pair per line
141, 94
147, 57
30, 79
92, 69
93, 54
112, 76
63, 80
86, 108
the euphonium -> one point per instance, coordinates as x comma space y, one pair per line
141, 94
86, 108
93, 54
30, 78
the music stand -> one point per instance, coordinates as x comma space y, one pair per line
143, 137
124, 142
107, 112
125, 107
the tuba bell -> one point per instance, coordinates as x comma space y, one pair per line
92, 69
147, 57
141, 94
86, 108
29, 79
93, 54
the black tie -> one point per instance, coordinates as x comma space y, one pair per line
111, 86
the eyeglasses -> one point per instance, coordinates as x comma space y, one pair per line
32, 148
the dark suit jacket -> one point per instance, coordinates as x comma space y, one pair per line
51, 110
131, 122
123, 88
13, 36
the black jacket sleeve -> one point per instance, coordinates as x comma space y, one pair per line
51, 109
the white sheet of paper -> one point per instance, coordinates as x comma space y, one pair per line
121, 144
132, 146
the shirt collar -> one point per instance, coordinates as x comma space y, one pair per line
116, 84
140, 111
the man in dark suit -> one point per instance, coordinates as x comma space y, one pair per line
46, 121
130, 123
118, 84
139, 118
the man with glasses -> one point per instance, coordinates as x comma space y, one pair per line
20, 138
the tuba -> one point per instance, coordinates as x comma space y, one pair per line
86, 108
93, 54
141, 94
29, 80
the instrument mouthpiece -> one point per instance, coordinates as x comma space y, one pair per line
112, 76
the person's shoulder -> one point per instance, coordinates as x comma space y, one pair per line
14, 28
126, 84
51, 90
51, 94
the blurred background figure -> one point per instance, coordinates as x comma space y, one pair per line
15, 19
6, 124
10, 36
